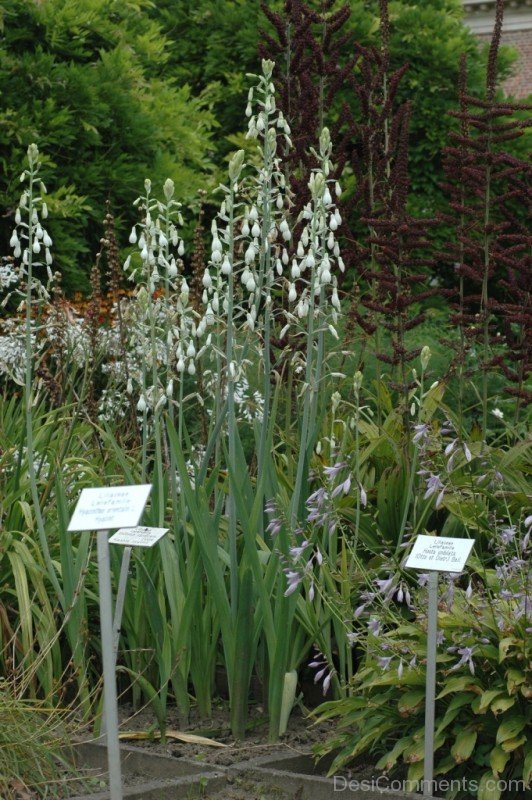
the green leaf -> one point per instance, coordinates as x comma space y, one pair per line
487, 788
509, 745
504, 646
460, 683
514, 679
389, 759
510, 728
502, 704
410, 701
498, 760
486, 699
463, 746
527, 768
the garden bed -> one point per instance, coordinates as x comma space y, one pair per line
253, 769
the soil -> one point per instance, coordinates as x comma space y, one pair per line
298, 739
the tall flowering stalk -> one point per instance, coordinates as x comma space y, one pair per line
491, 249
31, 243
313, 291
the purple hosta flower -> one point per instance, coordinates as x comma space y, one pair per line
276, 523
320, 663
466, 654
294, 579
403, 595
469, 591
422, 433
400, 669
467, 452
434, 486
274, 526
386, 586
422, 579
447, 428
450, 453
448, 596
363, 495
374, 626
384, 661
270, 506
505, 571
342, 487
294, 575
359, 611
440, 638
366, 598
332, 472
508, 533
297, 551
352, 637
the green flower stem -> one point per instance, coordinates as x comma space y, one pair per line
28, 383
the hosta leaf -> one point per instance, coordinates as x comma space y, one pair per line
463, 746
410, 701
527, 768
487, 788
510, 728
514, 679
415, 772
460, 683
487, 698
504, 646
502, 704
454, 707
509, 745
498, 759
417, 750
389, 760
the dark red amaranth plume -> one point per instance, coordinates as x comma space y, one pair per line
307, 48
489, 191
391, 253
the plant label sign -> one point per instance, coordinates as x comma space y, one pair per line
106, 507
138, 537
439, 554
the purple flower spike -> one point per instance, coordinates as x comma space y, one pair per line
384, 661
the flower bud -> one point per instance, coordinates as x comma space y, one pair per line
425, 357
168, 189
235, 165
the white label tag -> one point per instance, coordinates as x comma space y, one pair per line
439, 554
106, 507
138, 537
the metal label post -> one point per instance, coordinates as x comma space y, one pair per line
110, 706
430, 690
434, 554
101, 509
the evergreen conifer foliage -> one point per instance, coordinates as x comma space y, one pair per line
87, 80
